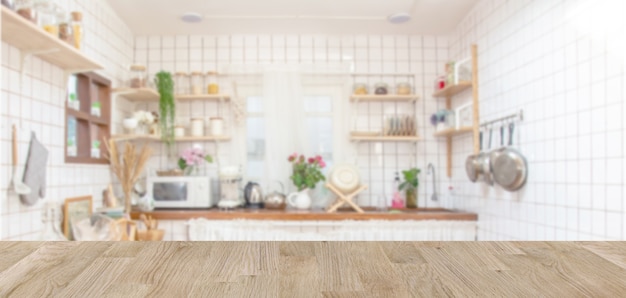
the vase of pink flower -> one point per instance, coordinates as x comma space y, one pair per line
307, 172
191, 159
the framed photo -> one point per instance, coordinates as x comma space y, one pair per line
75, 208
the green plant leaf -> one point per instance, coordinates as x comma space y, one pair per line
182, 164
208, 158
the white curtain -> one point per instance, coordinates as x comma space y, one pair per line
285, 126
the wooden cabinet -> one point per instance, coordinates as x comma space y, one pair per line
87, 118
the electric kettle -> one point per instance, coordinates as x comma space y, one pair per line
253, 195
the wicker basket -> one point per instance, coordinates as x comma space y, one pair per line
170, 173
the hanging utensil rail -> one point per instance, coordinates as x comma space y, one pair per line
519, 116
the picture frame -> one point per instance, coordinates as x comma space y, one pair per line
78, 207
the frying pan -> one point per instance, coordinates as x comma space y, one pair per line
472, 167
484, 161
497, 152
510, 168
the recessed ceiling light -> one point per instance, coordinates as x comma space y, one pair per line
191, 17
399, 18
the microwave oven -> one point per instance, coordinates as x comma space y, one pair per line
180, 192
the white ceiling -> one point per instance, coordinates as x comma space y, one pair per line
162, 17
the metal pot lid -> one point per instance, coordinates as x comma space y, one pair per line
471, 169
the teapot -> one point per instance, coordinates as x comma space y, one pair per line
300, 200
276, 200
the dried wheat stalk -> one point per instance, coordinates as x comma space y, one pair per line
127, 166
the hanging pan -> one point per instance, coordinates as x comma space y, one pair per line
510, 168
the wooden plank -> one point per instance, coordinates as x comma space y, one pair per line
383, 98
454, 132
385, 139
138, 94
314, 269
475, 99
452, 90
449, 142
26, 36
267, 214
202, 97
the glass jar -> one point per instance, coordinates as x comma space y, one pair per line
360, 89
65, 30
26, 9
381, 89
404, 89
212, 87
48, 17
179, 131
181, 85
77, 29
440, 83
137, 76
196, 83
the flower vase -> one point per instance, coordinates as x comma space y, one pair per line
300, 200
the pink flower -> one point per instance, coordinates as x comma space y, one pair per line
322, 164
311, 160
301, 158
318, 158
292, 157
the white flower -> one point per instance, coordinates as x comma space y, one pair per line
144, 117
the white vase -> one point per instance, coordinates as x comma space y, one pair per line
300, 200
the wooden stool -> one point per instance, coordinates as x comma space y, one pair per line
345, 199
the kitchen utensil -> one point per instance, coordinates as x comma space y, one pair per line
472, 167
253, 195
18, 186
35, 171
511, 167
276, 200
484, 161
493, 155
345, 178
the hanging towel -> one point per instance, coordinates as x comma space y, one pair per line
35, 171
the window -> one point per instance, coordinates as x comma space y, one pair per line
88, 118
255, 127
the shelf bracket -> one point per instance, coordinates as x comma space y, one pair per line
26, 54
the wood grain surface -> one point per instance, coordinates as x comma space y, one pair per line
313, 269
342, 214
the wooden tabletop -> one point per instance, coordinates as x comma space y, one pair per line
313, 269
267, 214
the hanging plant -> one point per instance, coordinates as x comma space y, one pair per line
167, 108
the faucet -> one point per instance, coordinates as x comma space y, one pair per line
431, 171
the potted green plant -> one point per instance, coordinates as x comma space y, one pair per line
410, 185
167, 108
96, 109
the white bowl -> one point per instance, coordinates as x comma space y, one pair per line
130, 123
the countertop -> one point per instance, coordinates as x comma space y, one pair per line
313, 269
267, 214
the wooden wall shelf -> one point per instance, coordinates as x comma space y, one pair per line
384, 98
202, 97
453, 90
296, 215
454, 132
385, 139
138, 94
30, 39
158, 139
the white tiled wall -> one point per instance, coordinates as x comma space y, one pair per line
38, 105
422, 56
562, 62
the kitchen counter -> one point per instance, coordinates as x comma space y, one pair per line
319, 215
313, 269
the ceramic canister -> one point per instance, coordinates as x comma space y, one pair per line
197, 127
217, 126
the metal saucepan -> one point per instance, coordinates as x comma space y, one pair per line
472, 167
510, 168
493, 155
484, 161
